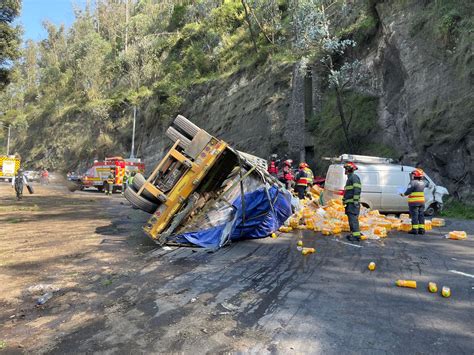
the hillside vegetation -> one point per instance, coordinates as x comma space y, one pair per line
73, 93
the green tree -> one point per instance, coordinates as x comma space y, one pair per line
9, 38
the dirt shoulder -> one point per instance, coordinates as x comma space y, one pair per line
67, 240
120, 293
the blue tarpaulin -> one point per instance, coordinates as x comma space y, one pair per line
263, 212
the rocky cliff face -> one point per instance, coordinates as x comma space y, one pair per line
256, 112
425, 87
425, 110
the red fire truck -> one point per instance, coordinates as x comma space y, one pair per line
98, 174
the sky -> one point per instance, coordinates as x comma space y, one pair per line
34, 12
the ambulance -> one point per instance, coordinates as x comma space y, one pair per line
97, 175
9, 165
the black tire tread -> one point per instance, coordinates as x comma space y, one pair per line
139, 201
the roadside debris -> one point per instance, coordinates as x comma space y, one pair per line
41, 289
330, 219
406, 283
446, 291
307, 251
438, 222
229, 306
45, 298
432, 287
457, 235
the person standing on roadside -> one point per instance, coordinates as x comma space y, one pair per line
351, 201
18, 182
301, 181
416, 202
110, 182
126, 176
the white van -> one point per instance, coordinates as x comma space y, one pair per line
382, 181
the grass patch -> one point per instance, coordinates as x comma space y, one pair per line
3, 344
457, 209
14, 220
19, 208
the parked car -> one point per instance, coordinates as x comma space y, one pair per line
32, 175
382, 182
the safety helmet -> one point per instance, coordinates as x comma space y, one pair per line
274, 157
418, 173
20, 171
350, 166
288, 162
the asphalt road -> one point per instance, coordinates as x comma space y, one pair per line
264, 296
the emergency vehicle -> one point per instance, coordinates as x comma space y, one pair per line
9, 165
98, 174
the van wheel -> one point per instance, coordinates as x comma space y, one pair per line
430, 211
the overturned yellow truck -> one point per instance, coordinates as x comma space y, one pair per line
205, 193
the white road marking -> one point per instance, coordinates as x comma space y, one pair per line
461, 273
340, 241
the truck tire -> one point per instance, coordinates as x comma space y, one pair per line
186, 125
174, 135
138, 181
139, 201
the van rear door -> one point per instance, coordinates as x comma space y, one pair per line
334, 184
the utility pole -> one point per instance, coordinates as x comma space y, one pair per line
126, 26
132, 153
8, 139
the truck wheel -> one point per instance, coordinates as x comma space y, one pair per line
186, 125
138, 181
174, 135
139, 201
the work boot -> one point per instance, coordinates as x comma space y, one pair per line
421, 231
413, 231
350, 237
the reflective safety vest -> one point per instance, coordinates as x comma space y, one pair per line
301, 178
310, 175
352, 190
416, 193
273, 169
416, 198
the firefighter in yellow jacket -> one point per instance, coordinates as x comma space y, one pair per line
110, 182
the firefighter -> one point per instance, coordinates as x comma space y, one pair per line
310, 175
416, 202
351, 200
126, 176
286, 176
18, 183
110, 182
130, 178
301, 181
273, 166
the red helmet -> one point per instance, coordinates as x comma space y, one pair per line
418, 173
303, 165
350, 166
288, 162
